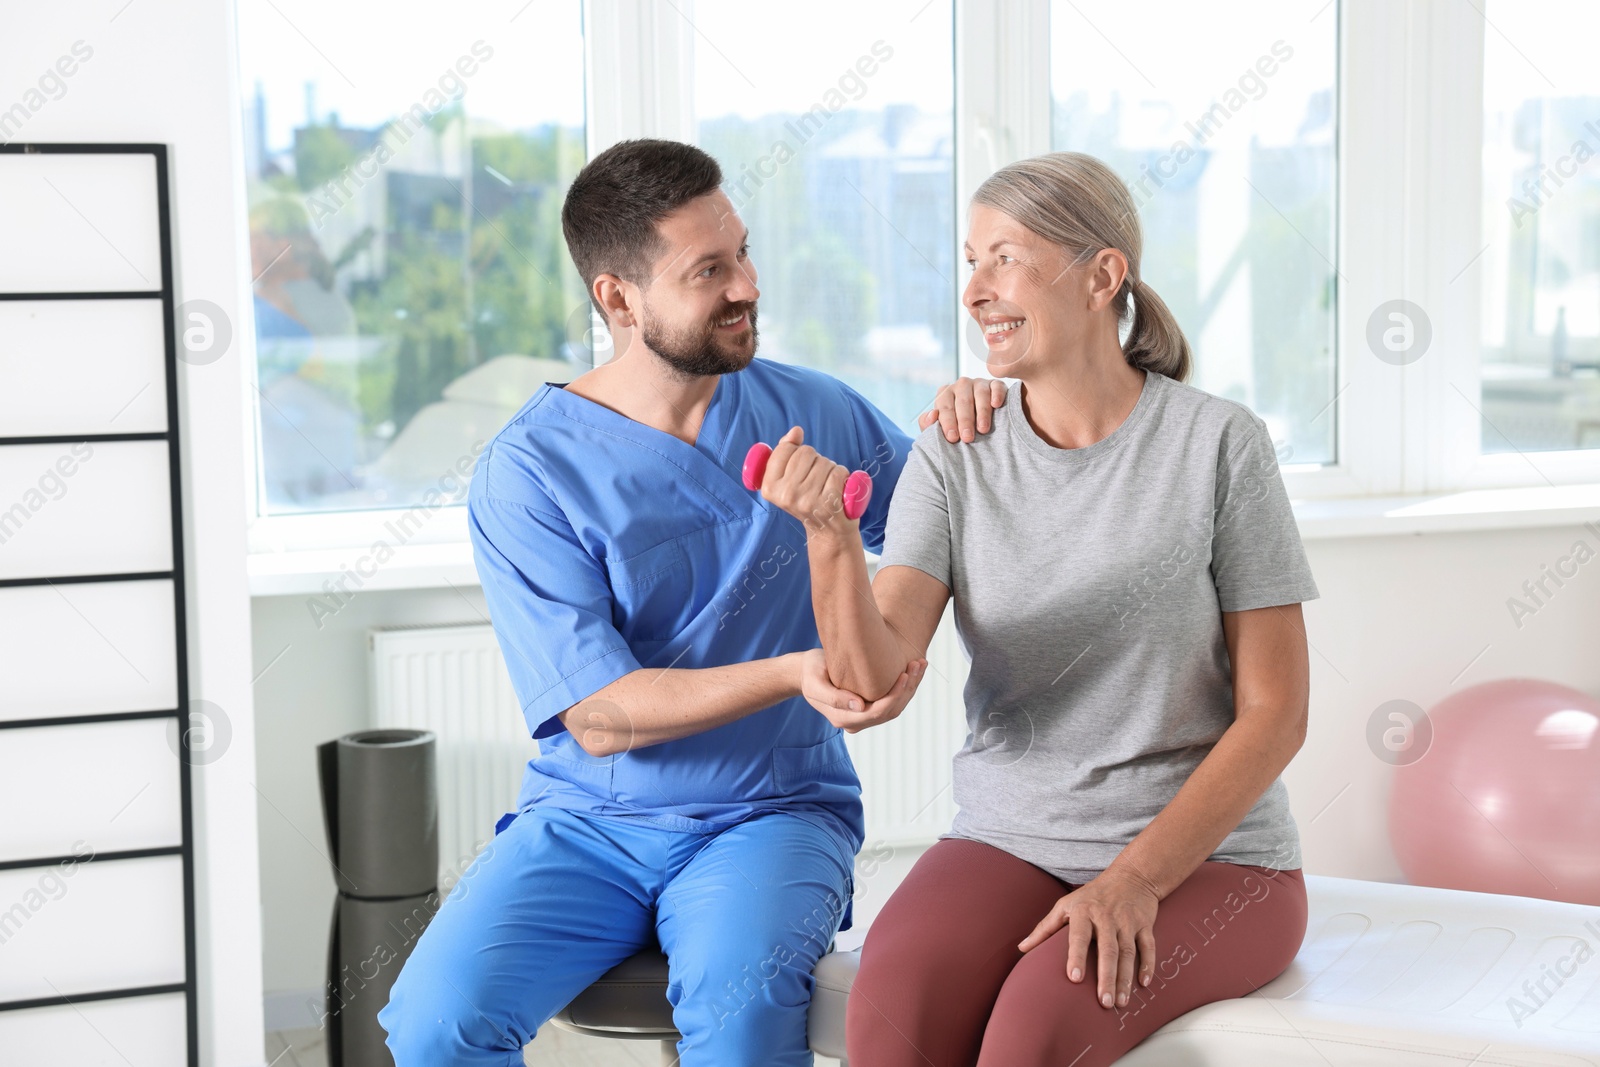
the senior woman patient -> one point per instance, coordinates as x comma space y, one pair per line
1127, 578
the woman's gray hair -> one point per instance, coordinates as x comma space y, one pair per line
1076, 201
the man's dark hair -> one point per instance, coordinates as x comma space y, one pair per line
615, 202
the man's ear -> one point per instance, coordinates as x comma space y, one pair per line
612, 294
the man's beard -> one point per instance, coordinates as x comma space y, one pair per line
696, 352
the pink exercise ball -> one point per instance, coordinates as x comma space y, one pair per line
1506, 798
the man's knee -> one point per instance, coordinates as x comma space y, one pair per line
744, 1001
434, 1017
752, 1016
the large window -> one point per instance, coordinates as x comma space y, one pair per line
836, 134
1541, 222
411, 289
1223, 125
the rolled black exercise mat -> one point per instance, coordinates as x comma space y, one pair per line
371, 941
381, 807
382, 811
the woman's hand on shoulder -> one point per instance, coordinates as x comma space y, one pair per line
1118, 911
847, 710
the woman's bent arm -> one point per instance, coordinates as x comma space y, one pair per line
866, 650
1271, 690
869, 632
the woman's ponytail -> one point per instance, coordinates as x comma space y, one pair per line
1155, 341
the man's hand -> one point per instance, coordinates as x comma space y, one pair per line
959, 410
846, 710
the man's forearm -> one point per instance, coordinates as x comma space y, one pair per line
864, 655
650, 705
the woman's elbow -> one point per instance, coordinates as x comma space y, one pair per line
871, 683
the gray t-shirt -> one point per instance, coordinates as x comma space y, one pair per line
1089, 587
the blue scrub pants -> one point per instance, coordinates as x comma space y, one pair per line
743, 915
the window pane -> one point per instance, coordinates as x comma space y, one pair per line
411, 285
1224, 129
835, 135
1541, 218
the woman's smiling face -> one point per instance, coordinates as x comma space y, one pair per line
1014, 293
1027, 296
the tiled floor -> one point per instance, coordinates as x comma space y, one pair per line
878, 871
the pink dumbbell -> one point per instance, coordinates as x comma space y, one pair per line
857, 487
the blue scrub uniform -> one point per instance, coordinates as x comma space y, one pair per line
606, 546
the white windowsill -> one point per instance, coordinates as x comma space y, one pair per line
1473, 509
303, 572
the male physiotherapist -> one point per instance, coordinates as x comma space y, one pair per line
656, 620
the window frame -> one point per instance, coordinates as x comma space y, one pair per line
1409, 151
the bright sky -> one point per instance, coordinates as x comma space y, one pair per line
368, 68
750, 66
1540, 48
1170, 60
370, 62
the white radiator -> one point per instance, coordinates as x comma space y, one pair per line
453, 681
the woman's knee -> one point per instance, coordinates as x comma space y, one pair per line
910, 963
1041, 1018
919, 998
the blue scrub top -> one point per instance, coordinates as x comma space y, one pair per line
605, 545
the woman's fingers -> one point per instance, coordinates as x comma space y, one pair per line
782, 452
1079, 935
1053, 920
1146, 940
824, 485
1124, 950
1109, 954
803, 482
1127, 954
791, 464
1119, 950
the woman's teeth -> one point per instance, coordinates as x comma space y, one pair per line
1002, 327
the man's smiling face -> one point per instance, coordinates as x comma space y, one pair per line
699, 305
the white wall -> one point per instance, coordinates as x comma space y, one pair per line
1415, 618
162, 71
1399, 617
312, 688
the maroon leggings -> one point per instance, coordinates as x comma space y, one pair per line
943, 985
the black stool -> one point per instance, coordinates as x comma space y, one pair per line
629, 1002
